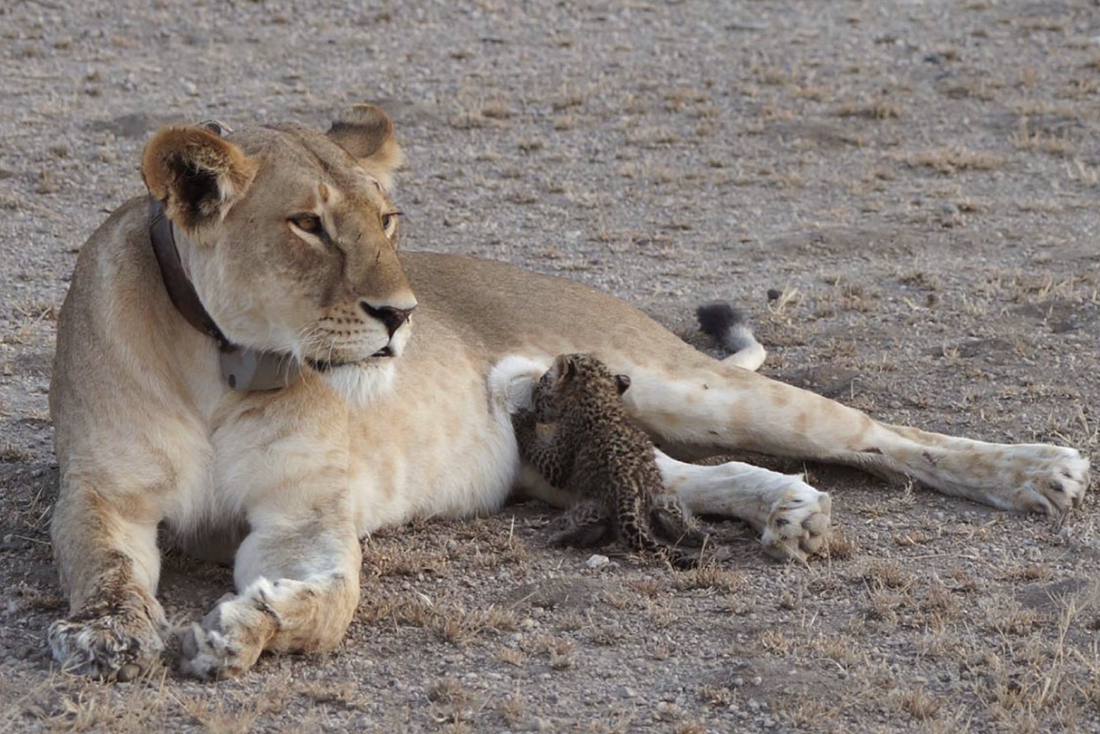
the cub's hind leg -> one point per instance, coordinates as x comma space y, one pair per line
588, 524
673, 523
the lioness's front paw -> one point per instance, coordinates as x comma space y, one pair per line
229, 640
1049, 479
120, 645
798, 525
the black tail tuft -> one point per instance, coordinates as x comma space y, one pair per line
718, 319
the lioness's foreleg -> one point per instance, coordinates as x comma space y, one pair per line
715, 408
106, 549
298, 588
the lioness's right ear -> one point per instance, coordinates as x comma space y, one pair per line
366, 132
195, 174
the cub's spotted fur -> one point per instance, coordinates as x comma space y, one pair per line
589, 447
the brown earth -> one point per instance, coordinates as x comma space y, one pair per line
914, 184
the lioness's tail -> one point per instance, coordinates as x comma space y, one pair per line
731, 329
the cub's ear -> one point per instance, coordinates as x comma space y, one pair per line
623, 383
197, 175
565, 368
366, 132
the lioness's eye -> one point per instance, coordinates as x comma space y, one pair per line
307, 223
389, 222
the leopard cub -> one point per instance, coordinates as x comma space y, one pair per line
580, 439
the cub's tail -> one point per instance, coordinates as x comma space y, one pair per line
730, 328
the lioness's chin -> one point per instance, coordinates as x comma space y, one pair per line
361, 383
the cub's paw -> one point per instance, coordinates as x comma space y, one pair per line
674, 524
590, 535
229, 640
1049, 479
798, 524
119, 644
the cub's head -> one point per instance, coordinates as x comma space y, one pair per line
290, 239
578, 380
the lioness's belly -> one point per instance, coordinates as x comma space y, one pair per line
436, 448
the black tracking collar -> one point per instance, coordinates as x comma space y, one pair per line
242, 368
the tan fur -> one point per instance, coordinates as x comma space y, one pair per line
388, 426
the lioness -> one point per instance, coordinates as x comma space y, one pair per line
269, 257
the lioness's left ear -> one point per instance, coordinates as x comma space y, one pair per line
366, 132
623, 383
195, 173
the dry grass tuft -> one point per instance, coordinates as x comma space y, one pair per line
447, 690
877, 109
404, 562
347, 695
12, 454
512, 708
397, 609
452, 703
918, 703
1041, 142
647, 587
949, 161
458, 626
886, 576
708, 577
716, 698
1033, 572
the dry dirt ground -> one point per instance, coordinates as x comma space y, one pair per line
903, 195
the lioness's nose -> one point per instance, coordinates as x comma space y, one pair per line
388, 315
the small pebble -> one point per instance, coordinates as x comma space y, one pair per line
597, 561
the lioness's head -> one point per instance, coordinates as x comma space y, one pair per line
290, 239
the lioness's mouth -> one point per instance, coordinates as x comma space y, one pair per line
324, 365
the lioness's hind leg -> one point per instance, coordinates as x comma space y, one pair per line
792, 517
709, 408
1024, 477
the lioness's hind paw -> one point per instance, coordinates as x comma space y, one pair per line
799, 524
1054, 483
